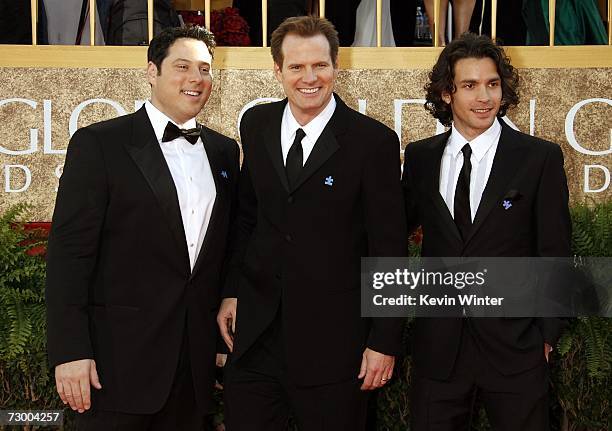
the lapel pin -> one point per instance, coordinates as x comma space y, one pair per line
329, 181
507, 204
224, 174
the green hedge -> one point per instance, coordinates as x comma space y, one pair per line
581, 363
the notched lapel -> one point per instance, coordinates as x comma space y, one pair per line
325, 146
144, 150
505, 166
272, 141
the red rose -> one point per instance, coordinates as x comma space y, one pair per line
236, 39
192, 17
233, 23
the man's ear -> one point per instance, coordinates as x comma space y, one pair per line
446, 97
151, 72
278, 73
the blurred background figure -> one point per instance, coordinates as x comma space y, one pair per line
340, 12
16, 22
128, 24
365, 24
68, 22
577, 22
462, 14
398, 22
511, 27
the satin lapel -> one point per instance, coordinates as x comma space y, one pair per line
218, 166
505, 165
146, 153
272, 140
434, 161
327, 144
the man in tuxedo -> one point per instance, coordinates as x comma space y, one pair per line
136, 249
319, 188
455, 185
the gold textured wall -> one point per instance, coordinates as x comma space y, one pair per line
49, 96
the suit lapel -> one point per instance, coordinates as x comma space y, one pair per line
437, 146
146, 153
505, 165
220, 172
327, 144
272, 141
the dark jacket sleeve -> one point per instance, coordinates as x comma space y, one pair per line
73, 248
553, 227
243, 222
386, 227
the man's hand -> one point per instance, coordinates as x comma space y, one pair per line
73, 379
376, 369
547, 349
226, 319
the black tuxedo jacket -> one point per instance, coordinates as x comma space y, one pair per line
538, 224
300, 248
119, 285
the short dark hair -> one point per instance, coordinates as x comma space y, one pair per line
441, 77
158, 48
304, 26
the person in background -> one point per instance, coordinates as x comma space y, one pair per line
462, 13
577, 22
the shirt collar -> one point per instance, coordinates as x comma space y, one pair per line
315, 127
159, 120
480, 145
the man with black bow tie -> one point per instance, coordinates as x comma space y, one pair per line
483, 189
135, 252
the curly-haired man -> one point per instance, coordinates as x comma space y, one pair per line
483, 189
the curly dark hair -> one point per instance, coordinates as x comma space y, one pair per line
442, 74
158, 47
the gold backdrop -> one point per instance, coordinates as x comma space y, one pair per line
572, 107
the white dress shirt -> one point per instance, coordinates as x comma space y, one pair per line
313, 129
192, 178
483, 152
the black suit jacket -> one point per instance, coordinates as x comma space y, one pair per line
119, 285
537, 225
300, 248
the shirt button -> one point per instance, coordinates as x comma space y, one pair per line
192, 211
190, 179
190, 245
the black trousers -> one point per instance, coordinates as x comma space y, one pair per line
512, 403
259, 396
179, 413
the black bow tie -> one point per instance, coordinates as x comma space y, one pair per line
172, 132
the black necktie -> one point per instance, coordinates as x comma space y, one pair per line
172, 132
295, 158
463, 214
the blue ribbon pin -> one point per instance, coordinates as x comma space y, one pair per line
507, 204
329, 181
224, 174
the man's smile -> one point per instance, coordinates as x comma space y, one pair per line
192, 93
309, 90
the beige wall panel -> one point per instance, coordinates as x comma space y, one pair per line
555, 91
